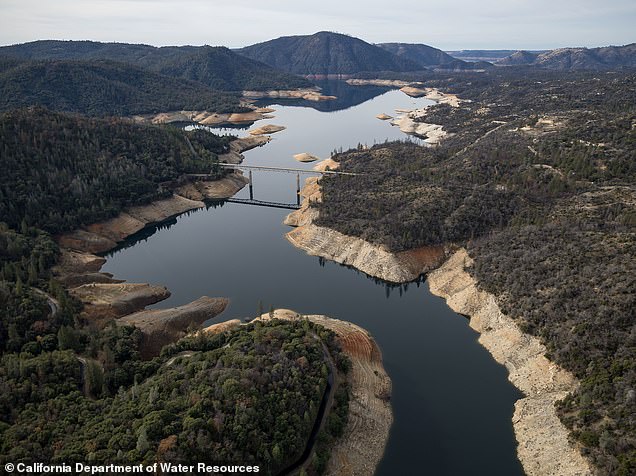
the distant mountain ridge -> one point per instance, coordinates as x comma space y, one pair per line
419, 53
216, 67
326, 54
602, 58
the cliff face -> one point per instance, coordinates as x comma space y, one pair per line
371, 259
543, 440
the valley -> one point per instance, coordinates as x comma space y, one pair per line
137, 270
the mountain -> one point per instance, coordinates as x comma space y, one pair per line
216, 67
608, 57
325, 53
484, 55
100, 87
432, 58
423, 55
518, 58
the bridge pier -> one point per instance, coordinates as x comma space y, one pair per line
251, 187
298, 189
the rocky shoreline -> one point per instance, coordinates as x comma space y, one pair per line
306, 94
106, 299
543, 444
360, 449
544, 447
373, 260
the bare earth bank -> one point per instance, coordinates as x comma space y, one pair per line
105, 298
543, 448
360, 449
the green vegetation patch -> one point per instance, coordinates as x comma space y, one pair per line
62, 171
249, 396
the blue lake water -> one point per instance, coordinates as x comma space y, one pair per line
452, 402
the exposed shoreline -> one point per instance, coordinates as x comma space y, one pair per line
544, 446
106, 299
306, 94
373, 260
360, 449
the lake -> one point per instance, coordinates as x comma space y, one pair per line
452, 402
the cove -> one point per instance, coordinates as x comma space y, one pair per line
452, 402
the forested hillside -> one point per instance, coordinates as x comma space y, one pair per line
326, 53
63, 171
100, 87
538, 180
249, 396
605, 58
427, 56
215, 67
73, 391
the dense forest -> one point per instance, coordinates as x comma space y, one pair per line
537, 177
63, 171
100, 88
72, 392
215, 67
248, 396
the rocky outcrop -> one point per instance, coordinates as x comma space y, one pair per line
389, 83
327, 164
384, 117
219, 189
107, 301
163, 326
361, 447
221, 327
374, 260
73, 280
413, 92
267, 129
409, 124
205, 118
306, 94
544, 448
77, 262
305, 157
238, 146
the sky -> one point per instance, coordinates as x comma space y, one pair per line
449, 25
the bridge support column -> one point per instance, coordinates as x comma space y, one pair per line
251, 187
298, 189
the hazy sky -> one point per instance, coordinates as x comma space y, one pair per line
453, 24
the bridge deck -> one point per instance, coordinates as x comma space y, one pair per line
285, 169
262, 203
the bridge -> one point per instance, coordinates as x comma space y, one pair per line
262, 203
285, 169
250, 168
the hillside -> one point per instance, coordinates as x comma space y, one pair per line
101, 87
326, 53
480, 55
537, 181
423, 55
608, 57
62, 171
216, 67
